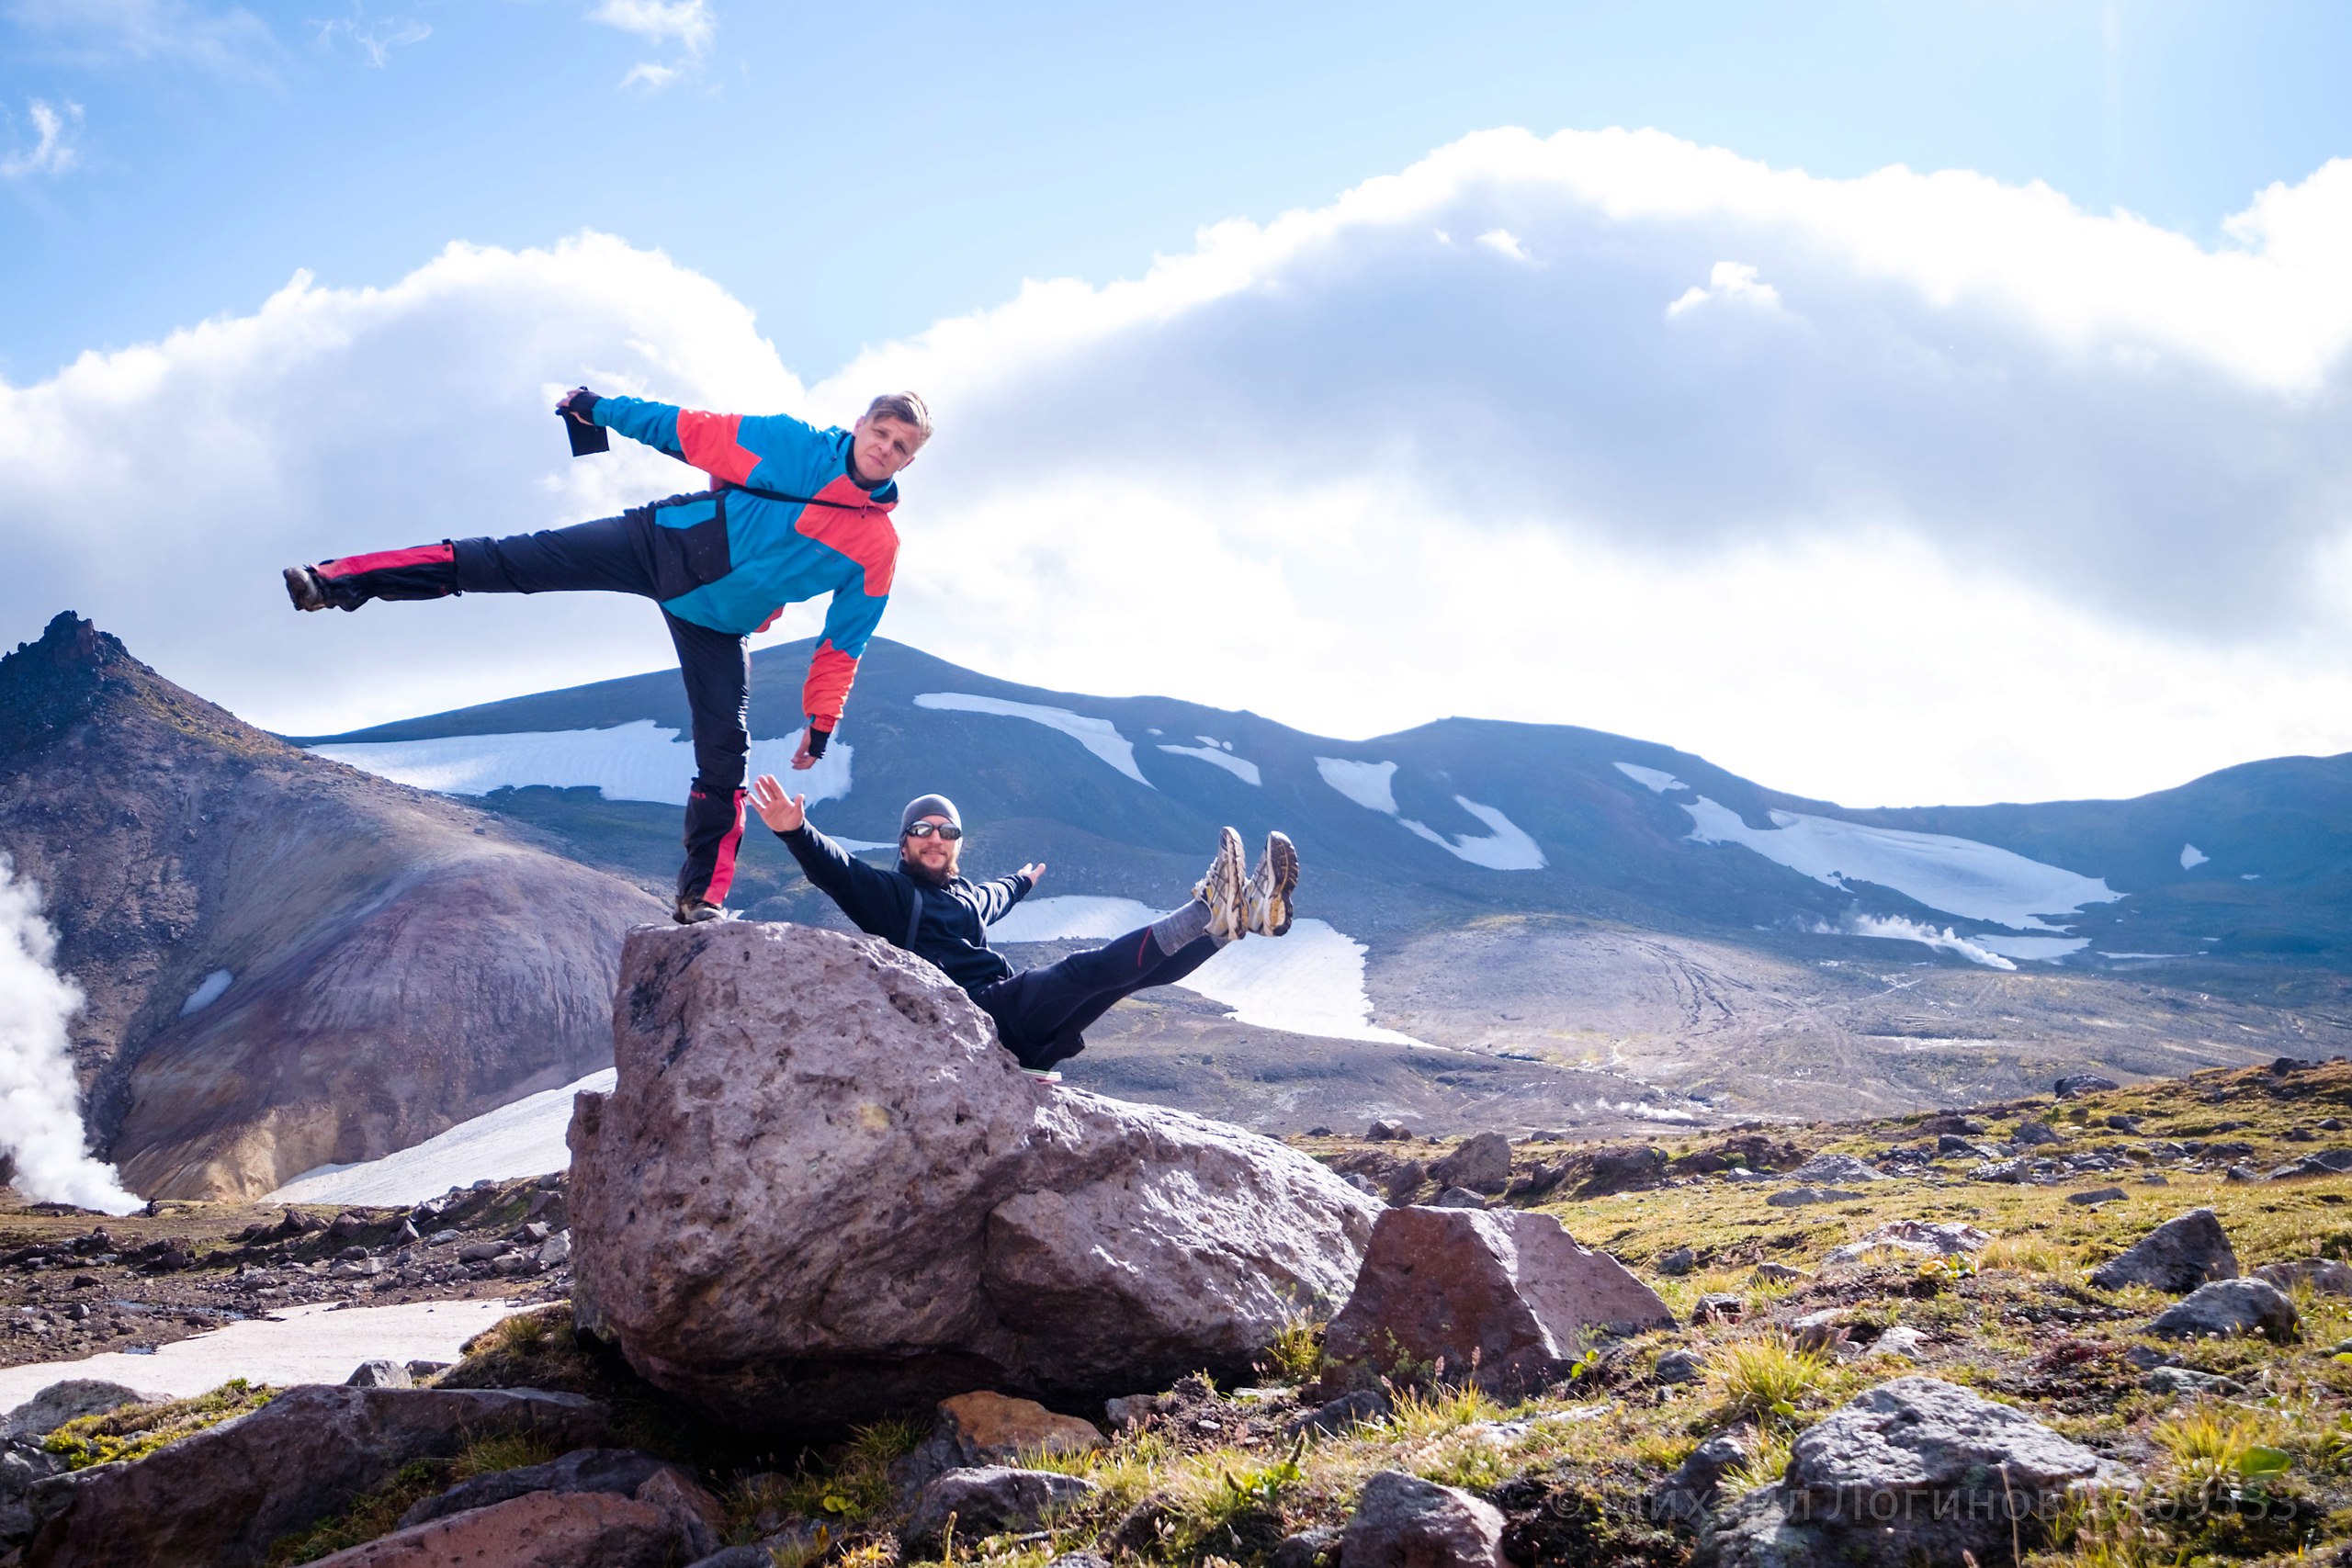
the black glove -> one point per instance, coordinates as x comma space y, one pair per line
817, 738
579, 403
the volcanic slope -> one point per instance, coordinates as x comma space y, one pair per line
1618, 923
289, 962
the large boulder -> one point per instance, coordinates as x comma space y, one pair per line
1505, 1297
219, 1498
821, 1190
1914, 1472
2228, 1308
1404, 1521
1481, 1164
2177, 1255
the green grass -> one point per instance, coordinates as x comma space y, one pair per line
136, 1432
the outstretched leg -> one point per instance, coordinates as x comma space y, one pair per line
718, 671
1041, 1014
610, 555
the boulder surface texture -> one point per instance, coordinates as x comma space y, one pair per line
1503, 1297
820, 1190
2228, 1307
1404, 1521
2177, 1255
1914, 1472
219, 1498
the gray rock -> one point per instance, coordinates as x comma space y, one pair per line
1829, 1167
1084, 1560
2033, 1133
1388, 1133
1403, 1521
420, 1370
379, 1374
1900, 1340
1913, 1470
1362, 1183
219, 1498
1457, 1198
1481, 1164
1953, 1144
2098, 1195
1307, 1549
555, 1252
2228, 1307
1798, 1197
1778, 1274
1686, 1497
2324, 1275
1508, 1291
989, 1500
2177, 1255
1680, 1261
880, 1210
1679, 1366
1344, 1414
69, 1401
2188, 1381
2074, 1084
617, 1471
1728, 1306
1919, 1238
480, 1251
2326, 1162
1403, 1180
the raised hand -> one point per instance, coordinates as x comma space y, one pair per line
778, 810
1036, 873
579, 403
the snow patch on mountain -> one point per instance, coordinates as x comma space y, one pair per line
1959, 876
208, 992
1239, 767
1650, 778
2191, 857
1099, 736
1369, 785
636, 761
524, 1138
1506, 847
317, 1343
2038, 949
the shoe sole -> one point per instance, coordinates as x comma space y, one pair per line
1232, 870
302, 591
1282, 855
680, 918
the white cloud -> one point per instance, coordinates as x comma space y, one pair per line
1727, 280
2003, 499
374, 40
53, 150
688, 24
1502, 241
227, 41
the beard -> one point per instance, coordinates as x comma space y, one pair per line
931, 876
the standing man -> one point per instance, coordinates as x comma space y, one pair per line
929, 908
793, 512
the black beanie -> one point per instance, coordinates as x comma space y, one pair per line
925, 805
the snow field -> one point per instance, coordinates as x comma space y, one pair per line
524, 1138
296, 1345
1099, 736
638, 761
1373, 786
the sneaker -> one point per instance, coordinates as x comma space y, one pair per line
1042, 1075
305, 588
1225, 887
1265, 905
697, 911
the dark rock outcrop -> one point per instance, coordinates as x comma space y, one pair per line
821, 1190
990, 1499
1481, 1164
1504, 1296
219, 1498
1404, 1521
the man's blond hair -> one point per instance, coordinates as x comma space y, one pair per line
906, 408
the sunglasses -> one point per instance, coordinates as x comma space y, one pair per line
947, 831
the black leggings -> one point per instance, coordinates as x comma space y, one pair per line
1042, 1013
611, 555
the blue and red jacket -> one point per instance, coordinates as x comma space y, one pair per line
815, 530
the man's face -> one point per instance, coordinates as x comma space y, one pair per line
883, 444
930, 854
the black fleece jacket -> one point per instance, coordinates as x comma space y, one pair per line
947, 925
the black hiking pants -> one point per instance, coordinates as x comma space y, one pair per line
612, 555
1042, 1013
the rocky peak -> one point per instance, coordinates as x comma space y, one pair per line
76, 674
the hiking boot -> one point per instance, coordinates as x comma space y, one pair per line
305, 588
1265, 905
697, 911
1225, 887
1042, 1075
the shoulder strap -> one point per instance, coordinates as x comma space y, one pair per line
914, 914
793, 500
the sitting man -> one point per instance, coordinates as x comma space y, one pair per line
927, 907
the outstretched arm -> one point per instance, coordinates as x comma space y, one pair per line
864, 894
1004, 892
711, 442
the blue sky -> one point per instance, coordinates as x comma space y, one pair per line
2018, 475
854, 174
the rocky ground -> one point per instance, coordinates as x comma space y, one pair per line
74, 1284
1952, 1278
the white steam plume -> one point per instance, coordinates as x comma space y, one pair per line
41, 1114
